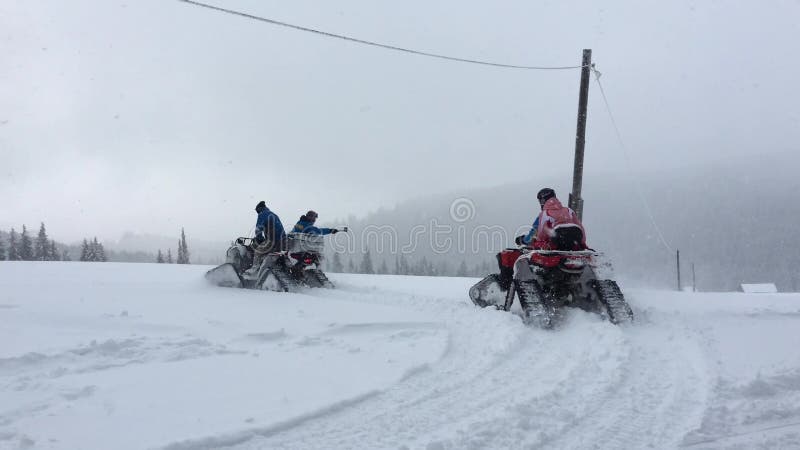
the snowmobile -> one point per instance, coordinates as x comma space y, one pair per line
282, 271
548, 280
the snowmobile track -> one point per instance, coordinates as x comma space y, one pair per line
317, 278
537, 305
611, 296
283, 279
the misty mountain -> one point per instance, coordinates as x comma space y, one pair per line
736, 223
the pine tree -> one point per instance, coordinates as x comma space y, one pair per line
183, 250
366, 264
423, 268
25, 245
169, 256
65, 255
383, 269
52, 252
336, 264
160, 257
92, 250
462, 269
2, 251
405, 266
13, 246
85, 251
41, 249
99, 251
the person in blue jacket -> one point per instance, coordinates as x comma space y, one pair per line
528, 238
270, 236
306, 225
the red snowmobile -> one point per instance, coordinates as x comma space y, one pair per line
548, 280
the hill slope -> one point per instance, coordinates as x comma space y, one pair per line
736, 222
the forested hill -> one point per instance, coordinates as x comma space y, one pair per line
736, 223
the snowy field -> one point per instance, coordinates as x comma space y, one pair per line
137, 356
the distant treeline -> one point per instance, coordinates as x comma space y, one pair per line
20, 246
409, 265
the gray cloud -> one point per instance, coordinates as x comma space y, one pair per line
152, 115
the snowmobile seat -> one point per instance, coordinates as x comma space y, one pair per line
301, 242
247, 242
567, 237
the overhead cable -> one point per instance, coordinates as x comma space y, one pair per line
375, 44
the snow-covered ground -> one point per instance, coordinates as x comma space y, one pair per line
131, 356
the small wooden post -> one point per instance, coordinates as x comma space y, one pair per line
694, 280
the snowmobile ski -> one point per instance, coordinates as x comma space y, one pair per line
224, 275
488, 292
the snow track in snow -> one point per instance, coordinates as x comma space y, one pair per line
503, 385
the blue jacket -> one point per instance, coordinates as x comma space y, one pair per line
531, 234
269, 224
304, 226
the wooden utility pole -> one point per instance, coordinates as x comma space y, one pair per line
575, 200
678, 258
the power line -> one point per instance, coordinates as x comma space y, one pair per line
376, 44
628, 161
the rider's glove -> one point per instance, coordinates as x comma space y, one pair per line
334, 231
260, 238
519, 240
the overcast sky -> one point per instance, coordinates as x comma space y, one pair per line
150, 115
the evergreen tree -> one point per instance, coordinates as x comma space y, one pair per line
25, 245
98, 251
65, 255
160, 257
336, 264
406, 265
41, 249
169, 256
423, 268
366, 264
401, 265
462, 269
2, 251
52, 252
183, 250
13, 246
85, 251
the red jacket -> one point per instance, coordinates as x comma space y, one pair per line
552, 215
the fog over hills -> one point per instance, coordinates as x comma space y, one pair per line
736, 222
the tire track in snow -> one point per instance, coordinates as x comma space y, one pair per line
503, 385
493, 365
661, 396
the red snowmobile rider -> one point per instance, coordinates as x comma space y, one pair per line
553, 215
